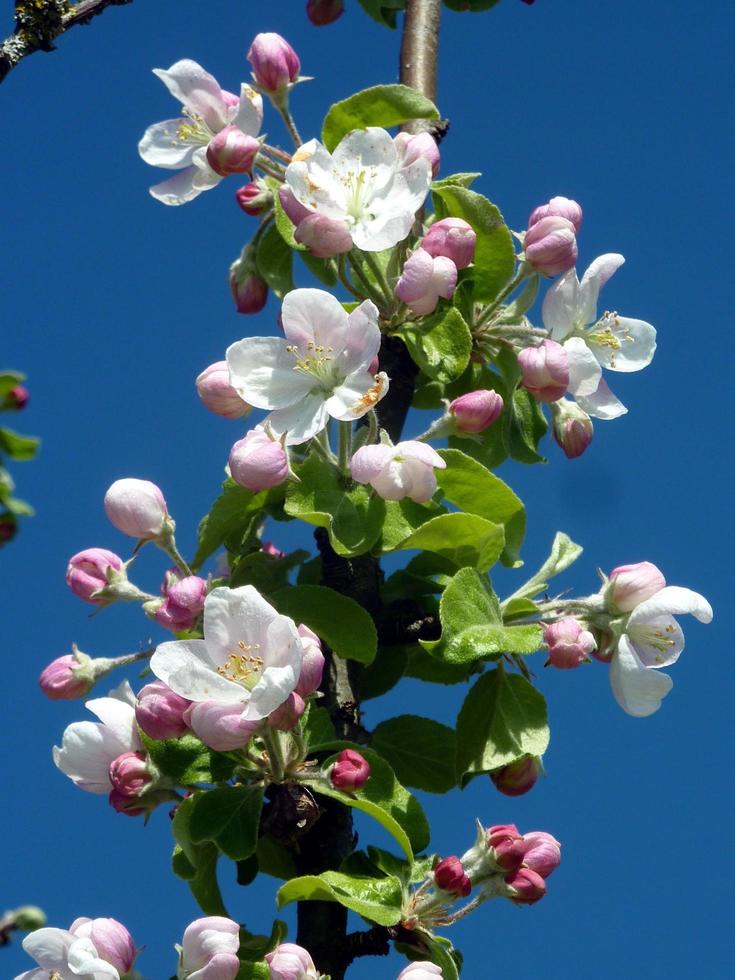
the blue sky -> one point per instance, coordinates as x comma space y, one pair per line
113, 303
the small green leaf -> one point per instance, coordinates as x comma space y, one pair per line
376, 899
274, 859
196, 863
325, 270
527, 425
229, 817
503, 718
473, 6
18, 447
274, 261
316, 726
187, 761
402, 518
381, 105
232, 513
253, 971
266, 572
455, 180
383, 11
440, 344
383, 673
282, 221
464, 539
420, 750
338, 620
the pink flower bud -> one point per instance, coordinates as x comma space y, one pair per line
568, 642
551, 246
65, 679
286, 716
183, 604
323, 12
351, 771
506, 846
517, 777
16, 399
291, 962
232, 152
560, 207
258, 462
476, 410
543, 852
324, 237
129, 773
268, 548
129, 805
449, 876
572, 428
453, 238
110, 938
218, 395
294, 209
424, 279
254, 197
525, 886
545, 370
136, 507
160, 712
249, 291
420, 971
312, 664
209, 949
220, 726
86, 572
632, 584
417, 146
275, 63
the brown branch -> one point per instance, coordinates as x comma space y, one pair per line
39, 22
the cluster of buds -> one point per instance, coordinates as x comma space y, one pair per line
550, 241
430, 273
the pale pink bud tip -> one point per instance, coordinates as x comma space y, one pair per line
559, 207
572, 428
111, 939
632, 584
86, 572
542, 854
291, 962
220, 726
525, 886
183, 604
568, 642
254, 198
129, 773
286, 716
517, 777
294, 209
324, 237
545, 370
232, 152
312, 663
258, 462
454, 238
323, 12
551, 246
249, 292
476, 411
63, 680
420, 971
218, 395
449, 876
351, 770
274, 62
424, 280
160, 712
136, 507
419, 146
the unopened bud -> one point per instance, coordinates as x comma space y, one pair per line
350, 772
294, 209
324, 237
449, 876
249, 291
424, 279
525, 886
258, 462
551, 246
111, 940
312, 664
254, 197
632, 584
65, 679
88, 572
220, 726
275, 63
232, 152
136, 507
568, 642
517, 777
476, 411
323, 12
218, 395
160, 712
129, 773
418, 146
8, 527
545, 370
286, 716
16, 399
560, 207
543, 852
506, 846
422, 970
453, 238
291, 962
572, 428
183, 603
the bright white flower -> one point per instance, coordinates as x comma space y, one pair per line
65, 955
364, 184
319, 370
396, 472
89, 747
652, 639
181, 144
614, 342
250, 656
209, 950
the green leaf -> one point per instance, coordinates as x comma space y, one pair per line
187, 761
420, 750
196, 863
402, 518
232, 513
513, 312
255, 946
384, 11
8, 381
274, 261
425, 667
519, 609
253, 971
383, 673
343, 624
376, 899
440, 344
381, 105
325, 270
494, 255
229, 817
464, 539
316, 726
503, 718
385, 800
266, 572
473, 6
274, 859
18, 447
283, 223
455, 180
475, 490
352, 514
527, 426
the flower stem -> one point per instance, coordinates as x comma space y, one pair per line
370, 290
342, 273
385, 289
345, 447
289, 123
272, 740
515, 282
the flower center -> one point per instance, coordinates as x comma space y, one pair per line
244, 667
195, 131
318, 363
606, 333
358, 191
656, 637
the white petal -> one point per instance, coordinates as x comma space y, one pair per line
602, 404
87, 749
393, 482
182, 666
314, 316
195, 88
38, 974
119, 718
249, 114
84, 961
301, 421
420, 451
370, 150
584, 371
49, 947
560, 306
410, 186
368, 461
658, 642
360, 392
593, 280
622, 344
637, 689
420, 479
204, 938
177, 190
234, 616
673, 600
124, 692
263, 373
270, 692
312, 179
384, 231
161, 146
363, 338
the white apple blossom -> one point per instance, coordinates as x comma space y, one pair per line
319, 370
396, 472
68, 954
250, 656
612, 341
181, 144
652, 639
89, 747
362, 183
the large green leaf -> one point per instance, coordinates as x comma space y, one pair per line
420, 750
440, 344
503, 718
381, 105
564, 552
376, 899
402, 518
274, 261
196, 863
464, 539
229, 817
338, 620
232, 512
527, 426
187, 761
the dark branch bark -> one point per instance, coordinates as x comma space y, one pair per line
37, 27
